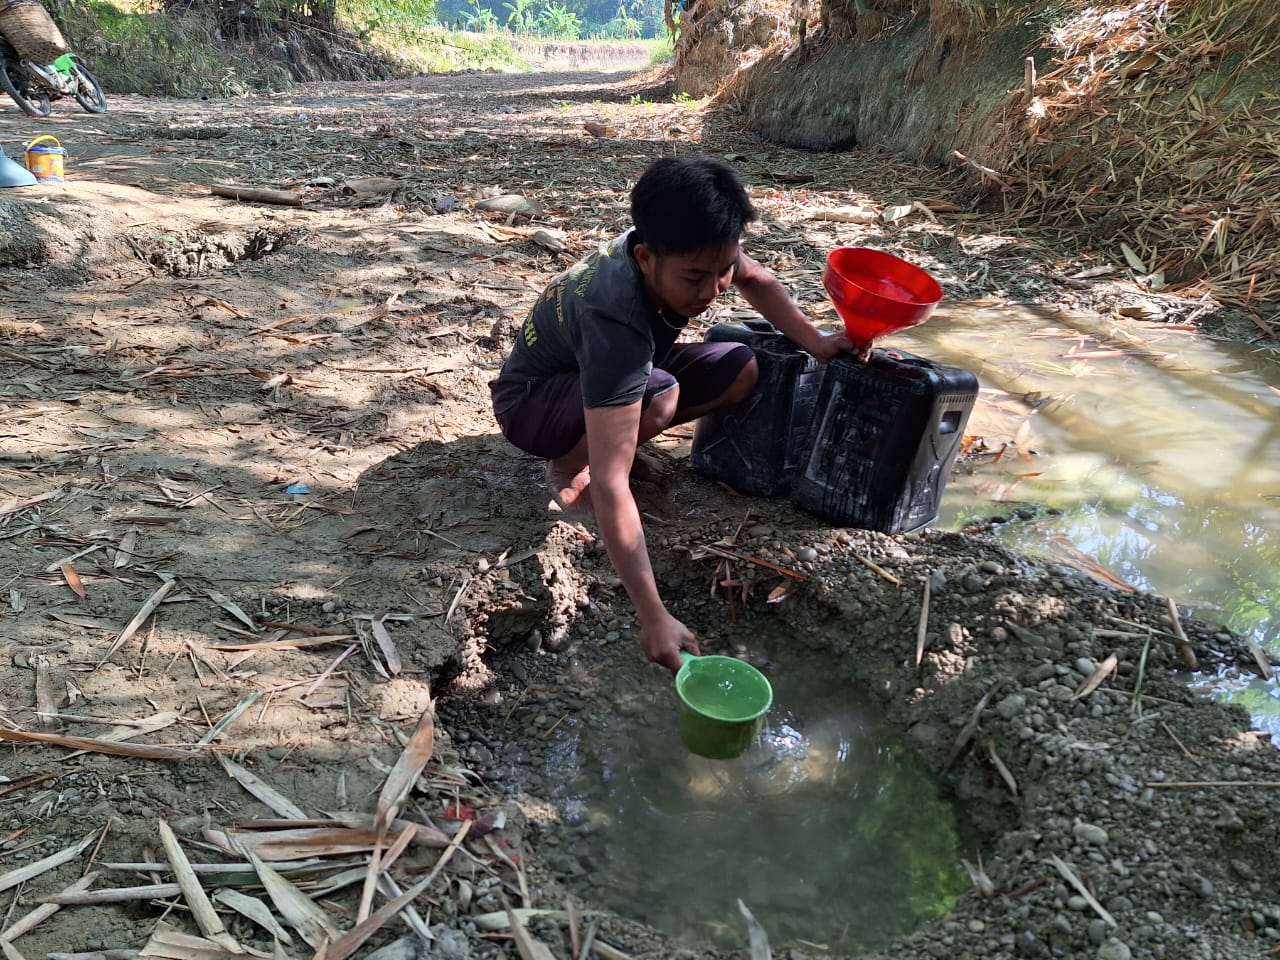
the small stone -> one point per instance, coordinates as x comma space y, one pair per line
806, 554
1089, 833
1077, 903
482, 565
1114, 950
328, 606
1085, 666
519, 671
976, 926
937, 581
1097, 931
534, 640
1012, 706
990, 566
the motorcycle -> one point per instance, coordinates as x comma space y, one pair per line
34, 87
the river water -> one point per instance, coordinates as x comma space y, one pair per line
1153, 452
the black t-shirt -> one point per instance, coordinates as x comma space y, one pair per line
595, 319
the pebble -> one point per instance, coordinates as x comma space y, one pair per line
806, 554
1114, 950
1085, 666
1098, 931
534, 640
976, 926
1078, 903
1089, 833
1012, 706
990, 566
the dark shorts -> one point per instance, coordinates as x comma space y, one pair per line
550, 420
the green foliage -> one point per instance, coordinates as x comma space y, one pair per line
663, 49
556, 20
520, 16
479, 18
561, 19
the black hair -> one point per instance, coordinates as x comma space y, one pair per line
681, 204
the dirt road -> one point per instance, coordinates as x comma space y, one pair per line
253, 506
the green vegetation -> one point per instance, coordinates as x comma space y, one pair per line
557, 19
221, 48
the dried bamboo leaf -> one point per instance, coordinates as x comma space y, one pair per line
232, 716
46, 699
528, 946
171, 944
268, 794
139, 618
967, 732
128, 729
390, 655
202, 911
255, 910
1094, 679
92, 745
229, 605
312, 923
51, 862
757, 939
1069, 875
73, 580
1001, 769
124, 551
84, 898
355, 938
413, 758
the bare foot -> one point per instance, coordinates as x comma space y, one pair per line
571, 488
649, 469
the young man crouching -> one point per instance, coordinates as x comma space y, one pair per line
596, 369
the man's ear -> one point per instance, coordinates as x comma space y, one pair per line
645, 258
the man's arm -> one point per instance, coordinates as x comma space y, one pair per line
762, 290
611, 448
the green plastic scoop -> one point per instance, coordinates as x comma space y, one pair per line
725, 701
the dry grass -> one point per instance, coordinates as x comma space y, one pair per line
1154, 133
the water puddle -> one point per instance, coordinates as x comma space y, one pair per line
827, 829
1153, 453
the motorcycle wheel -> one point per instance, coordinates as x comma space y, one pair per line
88, 92
33, 103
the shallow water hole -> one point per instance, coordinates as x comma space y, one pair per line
828, 828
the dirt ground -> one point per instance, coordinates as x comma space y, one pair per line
251, 494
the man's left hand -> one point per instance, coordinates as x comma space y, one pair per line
832, 345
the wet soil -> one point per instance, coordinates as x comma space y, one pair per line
282, 412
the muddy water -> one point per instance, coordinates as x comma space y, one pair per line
825, 829
1155, 453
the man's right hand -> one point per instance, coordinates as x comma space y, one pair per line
663, 639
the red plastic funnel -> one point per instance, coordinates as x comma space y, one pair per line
877, 293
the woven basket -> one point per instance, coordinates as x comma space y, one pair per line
31, 30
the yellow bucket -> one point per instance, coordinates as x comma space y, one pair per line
45, 162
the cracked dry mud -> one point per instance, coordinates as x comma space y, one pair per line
177, 369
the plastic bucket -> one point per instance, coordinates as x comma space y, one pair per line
45, 162
876, 293
724, 702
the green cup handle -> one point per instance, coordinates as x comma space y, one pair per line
685, 657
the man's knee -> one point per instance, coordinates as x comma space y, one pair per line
661, 410
743, 383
